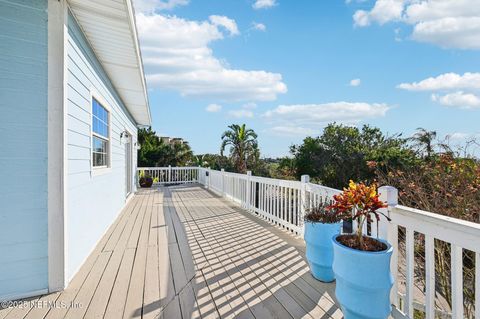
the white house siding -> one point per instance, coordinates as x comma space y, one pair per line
93, 201
23, 148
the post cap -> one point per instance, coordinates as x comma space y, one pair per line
389, 195
305, 179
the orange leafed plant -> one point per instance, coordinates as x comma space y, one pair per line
362, 201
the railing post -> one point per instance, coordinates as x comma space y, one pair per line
388, 195
389, 231
305, 179
223, 182
169, 180
249, 190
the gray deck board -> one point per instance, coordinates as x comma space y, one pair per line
183, 252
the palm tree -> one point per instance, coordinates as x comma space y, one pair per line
243, 145
181, 154
200, 160
424, 140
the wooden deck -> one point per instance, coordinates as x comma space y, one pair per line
182, 252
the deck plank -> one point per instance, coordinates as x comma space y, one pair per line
184, 252
134, 303
152, 302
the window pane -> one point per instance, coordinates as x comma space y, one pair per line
104, 129
96, 159
95, 125
100, 127
95, 108
99, 145
99, 119
99, 159
103, 115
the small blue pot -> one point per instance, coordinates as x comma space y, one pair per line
318, 239
363, 281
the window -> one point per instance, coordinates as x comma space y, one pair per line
100, 135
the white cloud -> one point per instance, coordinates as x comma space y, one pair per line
458, 99
355, 82
304, 117
249, 106
446, 23
264, 4
213, 108
382, 12
225, 22
451, 32
177, 56
149, 6
242, 113
445, 81
428, 10
259, 26
462, 137
292, 131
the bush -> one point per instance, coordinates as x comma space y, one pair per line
446, 185
323, 213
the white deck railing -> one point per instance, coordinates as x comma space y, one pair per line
285, 202
170, 175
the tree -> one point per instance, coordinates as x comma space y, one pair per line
344, 153
217, 162
424, 141
154, 152
243, 146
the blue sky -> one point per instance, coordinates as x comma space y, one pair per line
287, 68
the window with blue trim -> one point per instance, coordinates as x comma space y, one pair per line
100, 134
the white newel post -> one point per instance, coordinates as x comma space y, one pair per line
249, 190
169, 173
223, 182
305, 179
389, 195
389, 231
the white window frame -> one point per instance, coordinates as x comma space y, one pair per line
99, 170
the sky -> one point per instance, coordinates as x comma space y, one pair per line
287, 68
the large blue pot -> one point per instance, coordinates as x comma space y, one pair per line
363, 281
318, 239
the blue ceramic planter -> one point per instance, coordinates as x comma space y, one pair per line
363, 281
318, 239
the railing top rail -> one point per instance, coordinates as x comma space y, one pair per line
321, 187
452, 230
279, 182
165, 167
242, 176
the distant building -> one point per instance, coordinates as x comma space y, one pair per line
173, 140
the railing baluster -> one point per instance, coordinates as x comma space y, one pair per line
277, 202
409, 244
429, 277
477, 285
457, 281
393, 240
290, 211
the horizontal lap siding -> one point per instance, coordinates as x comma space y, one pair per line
23, 155
93, 201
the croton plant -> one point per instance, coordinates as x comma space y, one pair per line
362, 201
